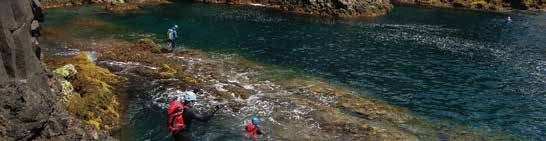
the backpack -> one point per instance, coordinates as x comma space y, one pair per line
176, 121
170, 35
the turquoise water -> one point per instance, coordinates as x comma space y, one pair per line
461, 66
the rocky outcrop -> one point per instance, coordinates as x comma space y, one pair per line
132, 3
95, 90
336, 8
488, 5
61, 3
65, 3
29, 109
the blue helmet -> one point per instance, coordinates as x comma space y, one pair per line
175, 26
255, 120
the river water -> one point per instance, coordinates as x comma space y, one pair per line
463, 67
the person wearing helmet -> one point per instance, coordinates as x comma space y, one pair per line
252, 129
172, 35
508, 19
189, 114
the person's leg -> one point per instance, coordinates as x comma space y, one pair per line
170, 43
174, 44
38, 52
180, 136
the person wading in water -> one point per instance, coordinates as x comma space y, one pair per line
252, 129
172, 35
181, 115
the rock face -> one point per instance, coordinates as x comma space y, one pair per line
489, 5
337, 8
29, 109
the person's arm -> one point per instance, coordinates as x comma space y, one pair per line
258, 131
200, 117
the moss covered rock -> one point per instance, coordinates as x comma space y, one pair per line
239, 91
67, 71
96, 89
167, 71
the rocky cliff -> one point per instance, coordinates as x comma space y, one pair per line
488, 5
337, 8
29, 108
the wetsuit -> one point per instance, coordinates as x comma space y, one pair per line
174, 36
253, 130
189, 115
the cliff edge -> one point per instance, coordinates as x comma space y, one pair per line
29, 107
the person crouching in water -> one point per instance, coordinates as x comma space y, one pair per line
181, 115
252, 129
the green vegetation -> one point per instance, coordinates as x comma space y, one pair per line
96, 91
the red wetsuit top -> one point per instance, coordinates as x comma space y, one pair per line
252, 130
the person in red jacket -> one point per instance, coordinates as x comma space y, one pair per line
252, 129
182, 114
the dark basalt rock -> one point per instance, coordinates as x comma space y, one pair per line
29, 109
490, 5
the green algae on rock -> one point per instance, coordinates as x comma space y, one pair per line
97, 89
65, 73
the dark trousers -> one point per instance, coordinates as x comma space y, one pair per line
173, 44
38, 52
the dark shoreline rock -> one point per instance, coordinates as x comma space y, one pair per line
335, 8
116, 5
492, 5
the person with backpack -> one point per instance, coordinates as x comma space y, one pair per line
181, 115
508, 20
252, 129
35, 28
172, 35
